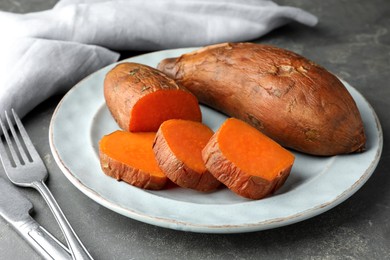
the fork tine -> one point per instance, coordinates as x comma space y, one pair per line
26, 139
15, 136
3, 154
11, 147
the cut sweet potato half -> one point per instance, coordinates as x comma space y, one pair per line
129, 157
178, 149
153, 109
140, 98
249, 163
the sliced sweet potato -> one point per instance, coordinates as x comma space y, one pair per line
178, 150
294, 101
249, 163
140, 98
129, 157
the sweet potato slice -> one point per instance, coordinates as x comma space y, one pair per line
178, 150
249, 163
296, 102
129, 157
140, 98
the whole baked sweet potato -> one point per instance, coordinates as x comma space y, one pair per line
294, 101
140, 98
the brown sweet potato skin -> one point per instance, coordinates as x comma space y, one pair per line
238, 181
127, 83
178, 172
292, 100
135, 177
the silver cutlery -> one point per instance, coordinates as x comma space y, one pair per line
24, 167
15, 209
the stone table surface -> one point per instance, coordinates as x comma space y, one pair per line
351, 40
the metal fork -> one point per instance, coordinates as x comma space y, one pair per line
24, 167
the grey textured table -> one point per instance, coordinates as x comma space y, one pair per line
353, 41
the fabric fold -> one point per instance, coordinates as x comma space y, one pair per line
37, 69
153, 24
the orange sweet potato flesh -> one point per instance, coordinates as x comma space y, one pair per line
178, 149
140, 98
129, 157
249, 163
289, 98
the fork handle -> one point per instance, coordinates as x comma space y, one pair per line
77, 249
41, 240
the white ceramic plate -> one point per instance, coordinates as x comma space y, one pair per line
315, 185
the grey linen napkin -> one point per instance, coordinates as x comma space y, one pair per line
46, 53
